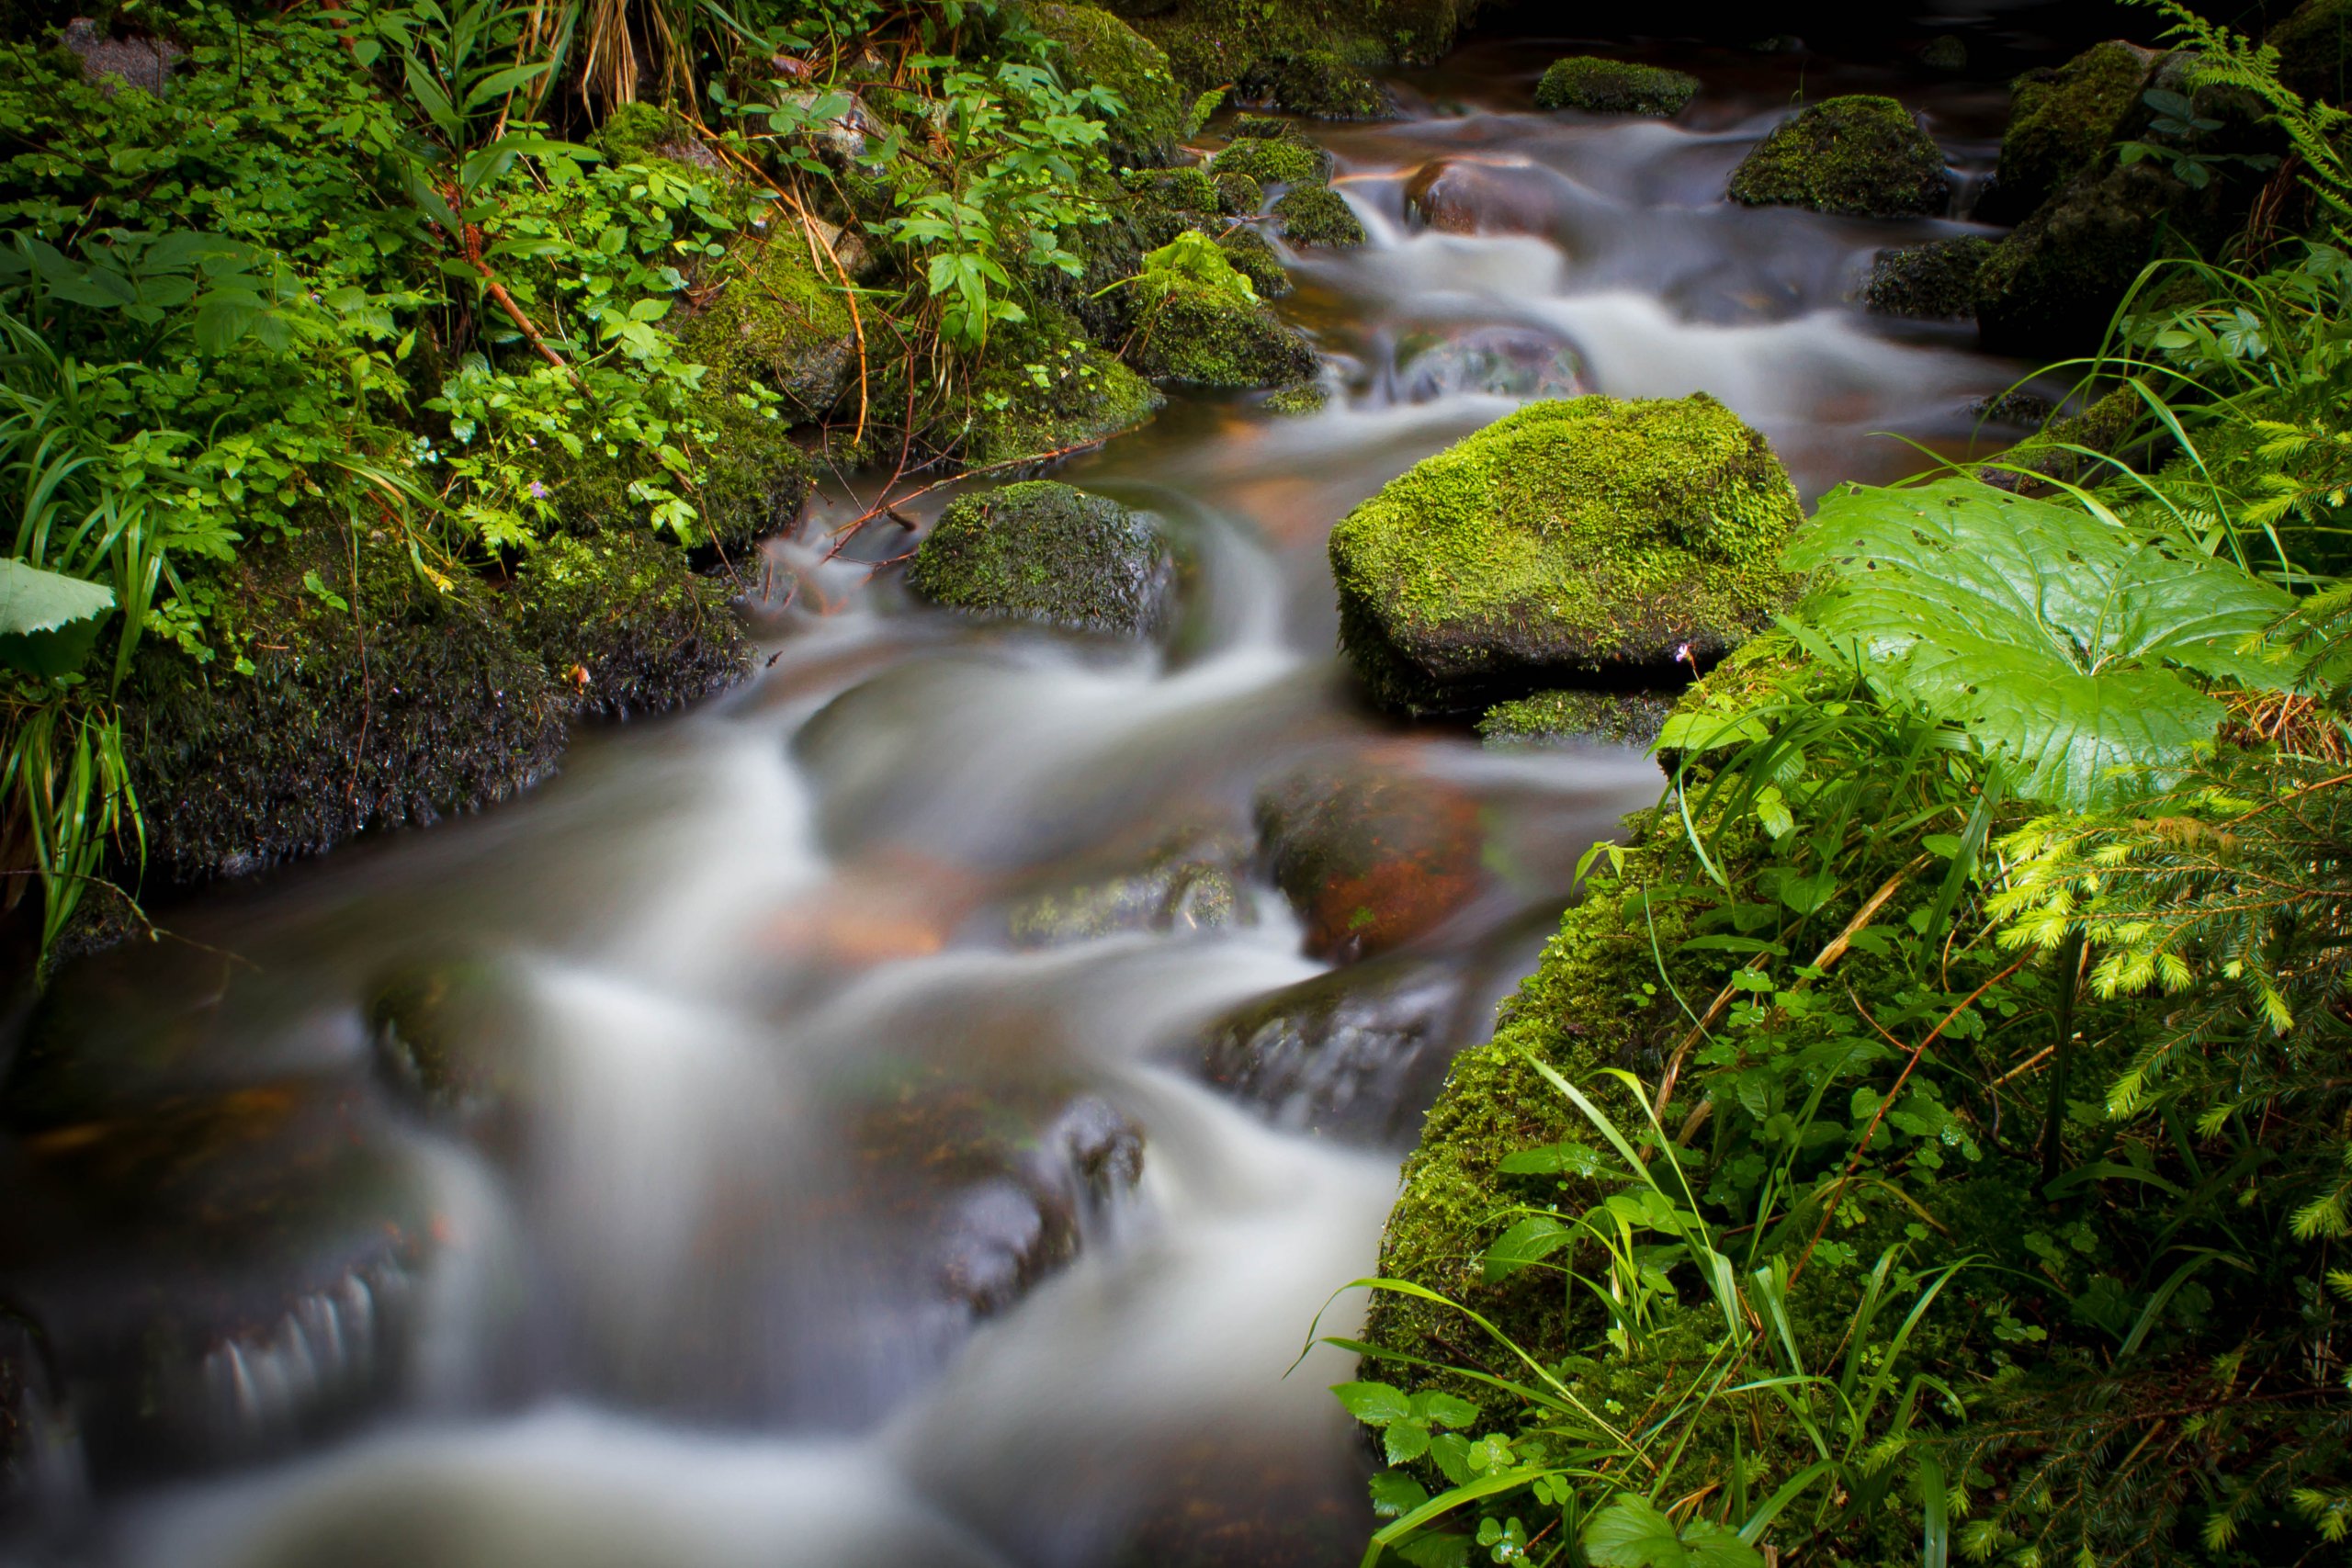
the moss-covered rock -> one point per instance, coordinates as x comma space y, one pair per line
401, 707
1320, 82
780, 322
1044, 387
1550, 718
1102, 48
1306, 398
1318, 215
2063, 447
1571, 536
1208, 338
1253, 257
1215, 42
636, 133
1238, 196
1945, 52
1189, 187
1274, 161
1861, 156
1934, 282
1614, 86
2061, 122
1370, 857
625, 627
2314, 45
1042, 552
2049, 287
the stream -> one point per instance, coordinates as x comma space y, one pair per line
842, 1171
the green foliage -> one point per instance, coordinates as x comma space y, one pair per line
2054, 638
2175, 121
1192, 260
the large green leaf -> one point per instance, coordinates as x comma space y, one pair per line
48, 620
1631, 1533
2055, 638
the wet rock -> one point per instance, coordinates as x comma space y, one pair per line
1042, 552
2313, 59
1318, 215
625, 626
1355, 1053
781, 322
1012, 1176
1101, 48
1238, 196
1274, 161
1204, 337
1320, 82
1583, 535
1500, 362
1370, 857
41, 1457
2063, 120
1469, 196
1551, 718
454, 1038
280, 1236
1195, 882
1860, 157
113, 63
1934, 282
1087, 394
1614, 87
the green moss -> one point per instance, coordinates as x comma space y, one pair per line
1320, 82
2053, 451
638, 133
1614, 86
1285, 162
1861, 156
1042, 387
1269, 126
1238, 196
1621, 718
2061, 122
779, 321
1934, 282
1307, 397
1189, 188
1212, 340
1318, 215
1042, 552
1105, 50
421, 704
1215, 42
2315, 44
1253, 256
1945, 52
1571, 536
625, 627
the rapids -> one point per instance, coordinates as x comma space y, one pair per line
805, 1226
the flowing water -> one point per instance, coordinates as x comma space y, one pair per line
807, 1202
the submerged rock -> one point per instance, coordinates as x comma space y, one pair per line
1370, 857
454, 1039
1194, 882
1614, 87
2063, 120
1042, 552
1581, 536
1464, 195
1355, 1053
1500, 361
1550, 718
1318, 215
1860, 156
1934, 282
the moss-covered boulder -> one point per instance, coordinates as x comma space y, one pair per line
1861, 156
1934, 282
1570, 537
636, 133
1100, 48
1274, 161
1044, 387
1321, 82
2314, 45
1614, 87
1306, 398
2063, 120
1215, 42
625, 628
1042, 552
1253, 257
1563, 717
781, 321
400, 705
1318, 215
1238, 196
1370, 858
1208, 338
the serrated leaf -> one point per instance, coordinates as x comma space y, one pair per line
1531, 1240
1444, 1409
48, 620
1374, 1403
2053, 639
1631, 1533
1395, 1494
1404, 1441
